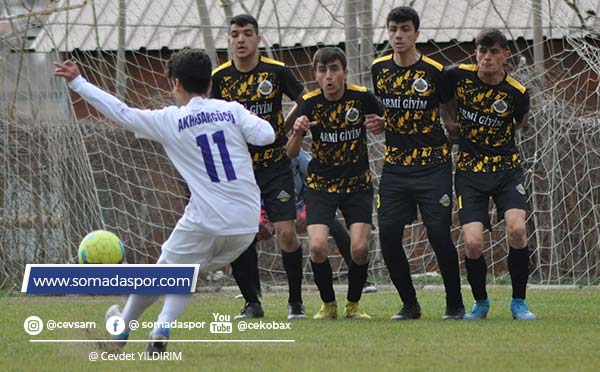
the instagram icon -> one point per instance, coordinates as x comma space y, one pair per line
33, 325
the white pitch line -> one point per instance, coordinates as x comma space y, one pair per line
197, 341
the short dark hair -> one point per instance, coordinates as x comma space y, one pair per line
403, 14
491, 36
243, 20
329, 54
192, 68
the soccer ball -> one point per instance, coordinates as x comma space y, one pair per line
101, 247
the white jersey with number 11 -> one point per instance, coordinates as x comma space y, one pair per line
206, 140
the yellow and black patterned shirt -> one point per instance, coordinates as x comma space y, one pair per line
260, 91
486, 117
411, 97
340, 162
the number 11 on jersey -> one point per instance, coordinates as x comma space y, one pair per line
209, 162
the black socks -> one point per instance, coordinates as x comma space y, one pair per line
324, 280
518, 267
292, 263
476, 273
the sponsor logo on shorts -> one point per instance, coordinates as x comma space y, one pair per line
420, 85
352, 115
520, 189
445, 200
265, 87
283, 196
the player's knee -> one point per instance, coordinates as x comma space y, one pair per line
473, 246
319, 250
516, 235
360, 253
286, 238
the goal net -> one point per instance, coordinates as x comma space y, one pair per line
67, 170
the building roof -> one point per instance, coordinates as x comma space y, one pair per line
174, 24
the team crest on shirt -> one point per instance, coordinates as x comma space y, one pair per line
445, 200
520, 189
265, 87
352, 114
420, 85
283, 196
500, 106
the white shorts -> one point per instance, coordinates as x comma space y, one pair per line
212, 252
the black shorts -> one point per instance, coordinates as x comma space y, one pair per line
399, 196
473, 192
321, 207
277, 192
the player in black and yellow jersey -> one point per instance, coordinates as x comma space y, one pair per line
417, 169
259, 83
490, 105
337, 115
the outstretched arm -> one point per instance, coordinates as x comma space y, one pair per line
144, 122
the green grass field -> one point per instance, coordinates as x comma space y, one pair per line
566, 336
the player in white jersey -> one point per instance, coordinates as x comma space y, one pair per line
206, 140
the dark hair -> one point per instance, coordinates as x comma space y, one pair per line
192, 68
329, 54
403, 14
243, 20
491, 36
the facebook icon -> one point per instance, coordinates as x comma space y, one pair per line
115, 325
